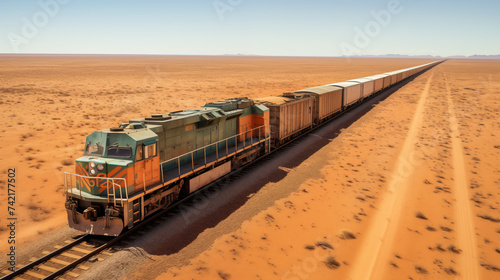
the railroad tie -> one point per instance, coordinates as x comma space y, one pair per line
51, 269
73, 256
47, 268
81, 250
83, 243
34, 274
75, 249
58, 261
72, 274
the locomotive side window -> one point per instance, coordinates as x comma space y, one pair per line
150, 151
139, 153
93, 149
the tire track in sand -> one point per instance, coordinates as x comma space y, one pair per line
375, 251
469, 261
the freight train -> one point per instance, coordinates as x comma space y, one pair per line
131, 171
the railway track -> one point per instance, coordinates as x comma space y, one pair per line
61, 262
57, 262
64, 259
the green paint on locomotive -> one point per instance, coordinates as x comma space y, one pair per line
178, 134
111, 154
181, 133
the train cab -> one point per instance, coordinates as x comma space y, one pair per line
117, 162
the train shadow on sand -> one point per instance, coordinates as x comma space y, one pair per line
211, 207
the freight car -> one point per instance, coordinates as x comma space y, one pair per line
328, 101
368, 86
290, 115
131, 171
351, 92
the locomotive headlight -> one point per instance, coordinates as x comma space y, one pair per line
92, 164
100, 167
92, 172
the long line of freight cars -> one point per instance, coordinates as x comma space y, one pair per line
290, 112
131, 171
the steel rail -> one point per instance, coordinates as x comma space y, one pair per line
45, 258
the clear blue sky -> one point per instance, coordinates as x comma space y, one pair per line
260, 27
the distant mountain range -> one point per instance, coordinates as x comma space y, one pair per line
476, 56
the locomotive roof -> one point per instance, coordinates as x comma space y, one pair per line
179, 118
137, 135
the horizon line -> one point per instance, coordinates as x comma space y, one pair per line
493, 56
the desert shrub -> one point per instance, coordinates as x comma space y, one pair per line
430, 228
223, 275
346, 234
450, 271
454, 249
324, 245
420, 269
447, 229
420, 215
331, 262
489, 218
490, 267
310, 247
440, 248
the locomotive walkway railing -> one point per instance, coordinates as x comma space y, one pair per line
251, 138
110, 185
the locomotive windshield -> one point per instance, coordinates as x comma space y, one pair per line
94, 149
121, 152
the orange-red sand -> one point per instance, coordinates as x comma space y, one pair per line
430, 150
410, 191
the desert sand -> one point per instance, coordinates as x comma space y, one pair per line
409, 190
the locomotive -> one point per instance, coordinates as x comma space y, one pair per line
131, 171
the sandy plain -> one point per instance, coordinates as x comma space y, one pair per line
410, 190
